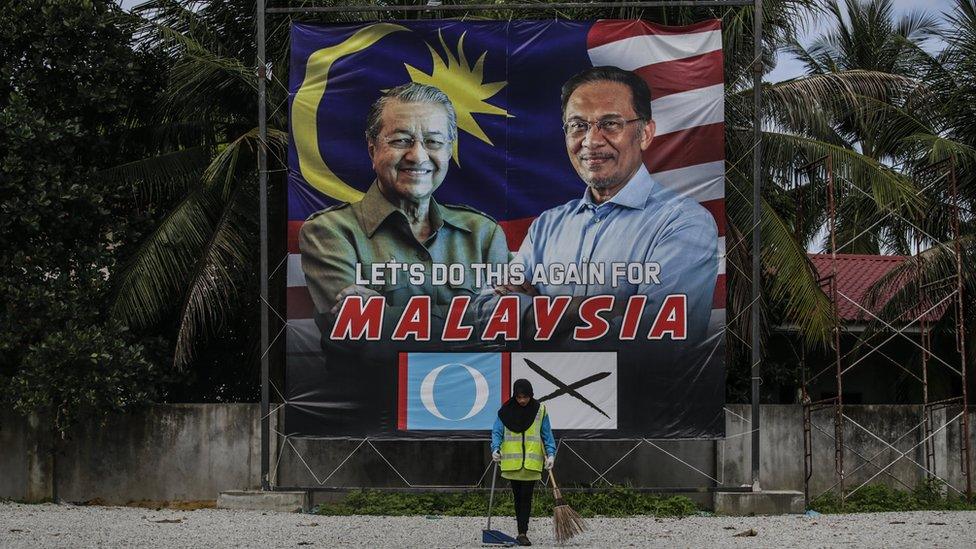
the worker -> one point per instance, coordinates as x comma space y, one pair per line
523, 445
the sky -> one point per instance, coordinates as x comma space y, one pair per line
788, 66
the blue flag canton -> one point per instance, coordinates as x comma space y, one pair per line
450, 391
466, 60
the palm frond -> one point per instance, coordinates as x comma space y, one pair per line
223, 168
814, 64
924, 284
812, 105
161, 265
891, 190
936, 148
792, 280
160, 175
210, 293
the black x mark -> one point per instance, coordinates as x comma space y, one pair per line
568, 389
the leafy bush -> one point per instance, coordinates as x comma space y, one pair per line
80, 370
929, 495
615, 502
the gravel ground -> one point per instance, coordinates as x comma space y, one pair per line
89, 526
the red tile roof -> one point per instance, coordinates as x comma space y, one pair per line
855, 274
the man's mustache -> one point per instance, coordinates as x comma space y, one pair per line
595, 156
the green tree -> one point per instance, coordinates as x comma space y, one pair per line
866, 38
196, 269
944, 132
71, 81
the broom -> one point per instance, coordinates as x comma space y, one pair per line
566, 522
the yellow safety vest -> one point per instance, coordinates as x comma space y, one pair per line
525, 449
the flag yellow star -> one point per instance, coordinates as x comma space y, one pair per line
464, 85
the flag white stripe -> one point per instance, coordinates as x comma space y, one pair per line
639, 51
296, 276
721, 255
716, 322
700, 182
680, 111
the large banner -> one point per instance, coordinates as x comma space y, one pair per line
471, 203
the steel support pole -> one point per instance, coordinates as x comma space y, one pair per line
262, 68
756, 241
961, 333
838, 370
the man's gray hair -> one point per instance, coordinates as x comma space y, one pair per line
411, 92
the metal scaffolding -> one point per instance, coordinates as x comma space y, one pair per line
920, 318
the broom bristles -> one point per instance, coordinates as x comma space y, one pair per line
566, 522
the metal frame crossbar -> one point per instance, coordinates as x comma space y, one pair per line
563, 442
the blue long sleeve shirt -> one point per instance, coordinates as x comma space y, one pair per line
498, 434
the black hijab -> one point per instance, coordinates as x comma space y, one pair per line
518, 418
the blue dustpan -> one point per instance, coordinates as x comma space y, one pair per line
494, 537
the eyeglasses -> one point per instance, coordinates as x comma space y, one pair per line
432, 144
607, 126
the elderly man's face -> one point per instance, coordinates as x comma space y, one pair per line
602, 159
412, 151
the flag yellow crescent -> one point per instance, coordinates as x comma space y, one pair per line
306, 104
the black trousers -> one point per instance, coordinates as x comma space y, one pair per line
522, 490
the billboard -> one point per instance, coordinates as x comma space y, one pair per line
474, 202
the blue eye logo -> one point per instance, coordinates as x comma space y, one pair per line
480, 391
449, 391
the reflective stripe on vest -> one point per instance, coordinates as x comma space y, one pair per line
525, 450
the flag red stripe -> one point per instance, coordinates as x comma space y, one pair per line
402, 393
683, 75
717, 209
607, 31
718, 298
684, 148
299, 303
293, 228
515, 231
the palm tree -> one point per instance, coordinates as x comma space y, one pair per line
866, 37
200, 258
948, 140
916, 134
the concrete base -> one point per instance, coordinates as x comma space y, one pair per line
770, 502
257, 500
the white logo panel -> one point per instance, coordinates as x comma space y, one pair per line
578, 389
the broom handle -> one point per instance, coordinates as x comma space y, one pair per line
491, 497
556, 494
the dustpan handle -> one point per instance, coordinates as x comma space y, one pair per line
491, 497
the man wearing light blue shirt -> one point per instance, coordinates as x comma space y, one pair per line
623, 215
